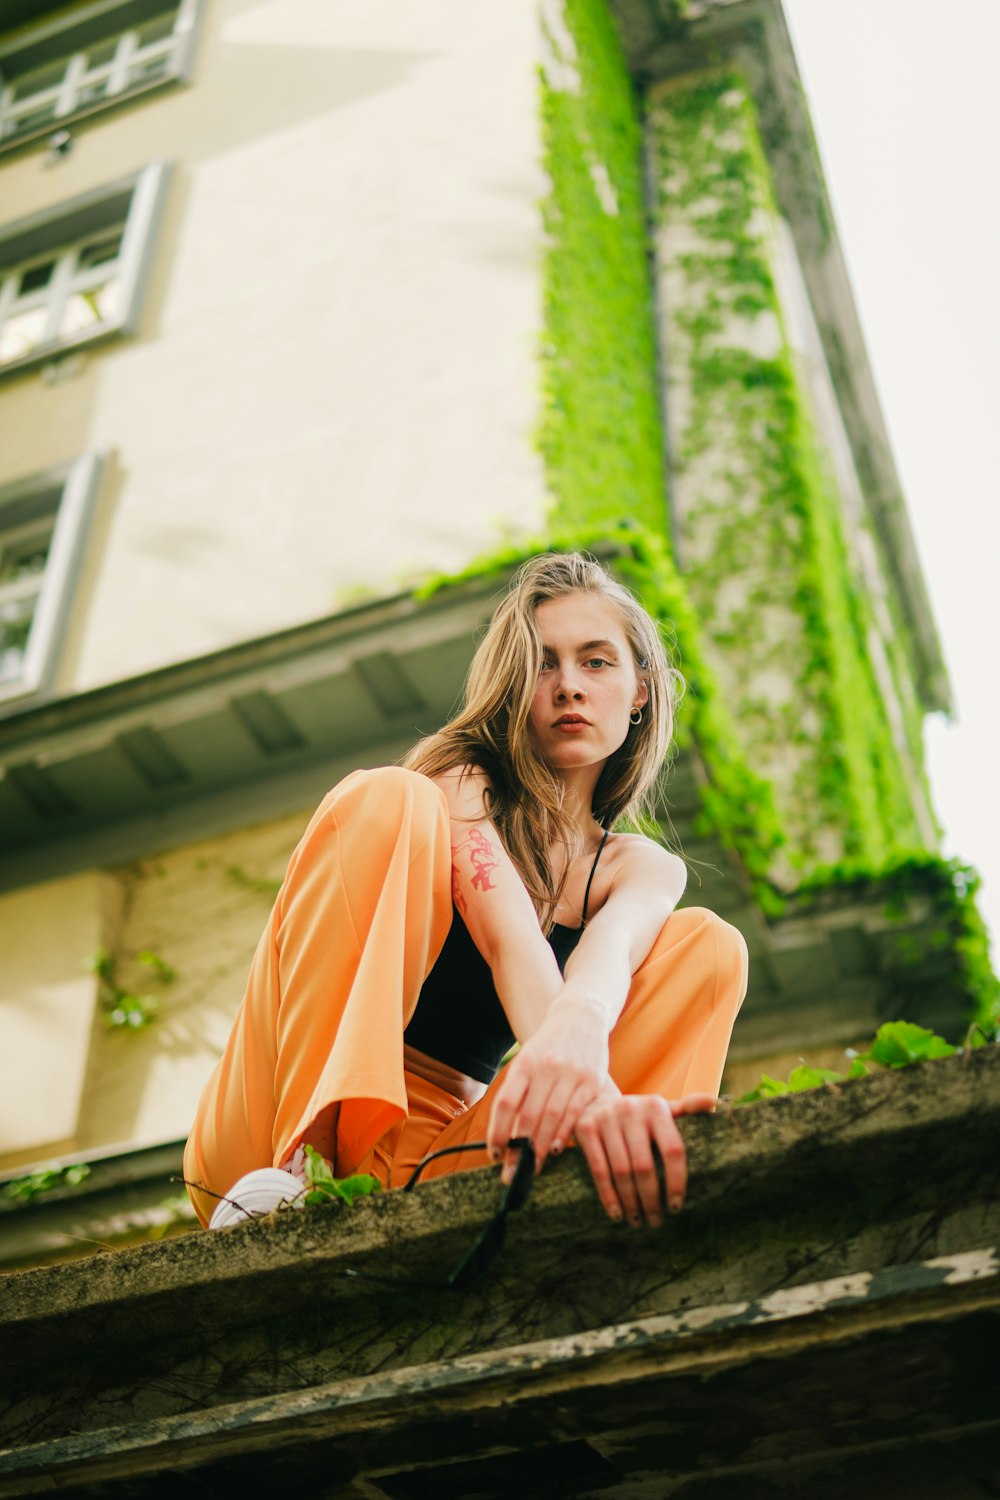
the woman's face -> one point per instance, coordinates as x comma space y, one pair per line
588, 684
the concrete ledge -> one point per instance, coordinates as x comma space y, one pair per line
346, 1416
854, 1218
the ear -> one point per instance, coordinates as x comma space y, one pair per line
641, 694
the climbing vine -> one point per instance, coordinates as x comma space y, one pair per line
44, 1179
768, 517
125, 1006
896, 1044
323, 1188
600, 432
769, 570
955, 953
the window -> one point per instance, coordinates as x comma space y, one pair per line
43, 523
89, 59
76, 273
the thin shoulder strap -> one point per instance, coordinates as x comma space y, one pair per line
593, 872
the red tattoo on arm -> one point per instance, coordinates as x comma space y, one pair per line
484, 859
456, 891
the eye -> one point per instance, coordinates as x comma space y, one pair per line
597, 661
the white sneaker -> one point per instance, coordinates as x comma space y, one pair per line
259, 1192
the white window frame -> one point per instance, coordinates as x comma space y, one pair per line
57, 42
60, 233
68, 494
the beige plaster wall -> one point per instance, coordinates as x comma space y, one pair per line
74, 1085
201, 909
47, 1002
334, 381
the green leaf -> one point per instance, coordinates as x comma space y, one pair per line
323, 1186
324, 1193
164, 972
42, 1179
805, 1077
100, 963
358, 1186
318, 1169
768, 1088
897, 1044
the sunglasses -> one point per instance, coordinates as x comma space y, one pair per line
489, 1244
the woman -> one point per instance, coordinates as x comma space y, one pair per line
429, 912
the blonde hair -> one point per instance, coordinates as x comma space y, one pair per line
491, 728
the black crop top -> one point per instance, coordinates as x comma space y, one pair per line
459, 1019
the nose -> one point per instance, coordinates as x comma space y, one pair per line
569, 684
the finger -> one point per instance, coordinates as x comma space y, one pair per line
671, 1149
551, 1125
693, 1104
589, 1140
620, 1161
644, 1175
584, 1095
506, 1105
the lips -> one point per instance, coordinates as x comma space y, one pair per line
569, 721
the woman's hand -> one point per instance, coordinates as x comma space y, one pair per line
560, 1070
617, 1134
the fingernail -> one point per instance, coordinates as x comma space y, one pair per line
556, 1147
675, 1205
507, 1176
495, 1154
655, 1221
614, 1213
635, 1220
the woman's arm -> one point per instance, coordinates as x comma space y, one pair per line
646, 885
500, 915
559, 1082
563, 1068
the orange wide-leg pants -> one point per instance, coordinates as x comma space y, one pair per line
316, 1051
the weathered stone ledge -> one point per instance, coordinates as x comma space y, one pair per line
436, 1396
192, 1351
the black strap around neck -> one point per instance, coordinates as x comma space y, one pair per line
593, 871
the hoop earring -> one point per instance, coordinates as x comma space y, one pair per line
635, 717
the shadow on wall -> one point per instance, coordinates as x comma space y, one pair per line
280, 85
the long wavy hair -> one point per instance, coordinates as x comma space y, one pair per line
490, 730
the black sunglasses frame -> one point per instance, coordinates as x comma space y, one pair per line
490, 1242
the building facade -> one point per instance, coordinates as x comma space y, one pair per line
313, 319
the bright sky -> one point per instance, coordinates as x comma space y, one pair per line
904, 103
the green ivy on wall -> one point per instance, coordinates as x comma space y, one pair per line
956, 951
764, 507
122, 1006
602, 443
600, 432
